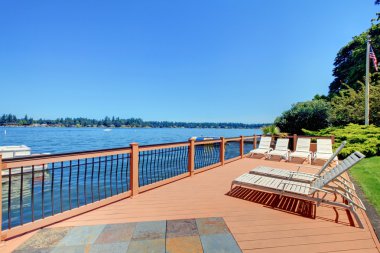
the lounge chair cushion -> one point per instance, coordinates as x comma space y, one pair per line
284, 174
259, 151
279, 152
273, 183
300, 154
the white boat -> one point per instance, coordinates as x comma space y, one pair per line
8, 152
15, 151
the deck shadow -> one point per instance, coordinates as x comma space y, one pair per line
289, 205
286, 204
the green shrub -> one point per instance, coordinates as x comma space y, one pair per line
270, 130
365, 139
312, 115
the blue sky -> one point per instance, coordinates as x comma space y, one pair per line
236, 61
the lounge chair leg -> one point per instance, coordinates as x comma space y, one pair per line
357, 218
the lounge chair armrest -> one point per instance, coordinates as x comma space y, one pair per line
320, 190
303, 173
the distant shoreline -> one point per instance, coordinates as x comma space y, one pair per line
124, 127
10, 120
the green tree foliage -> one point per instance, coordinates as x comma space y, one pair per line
349, 64
365, 139
12, 120
348, 106
271, 130
311, 115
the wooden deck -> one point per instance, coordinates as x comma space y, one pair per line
259, 222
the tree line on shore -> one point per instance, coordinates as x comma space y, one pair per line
344, 103
341, 111
12, 120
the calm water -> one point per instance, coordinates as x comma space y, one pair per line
63, 186
60, 140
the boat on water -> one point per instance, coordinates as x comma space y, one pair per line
15, 151
204, 138
8, 152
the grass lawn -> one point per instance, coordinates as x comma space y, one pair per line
367, 175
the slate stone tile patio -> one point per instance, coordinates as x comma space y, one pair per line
173, 236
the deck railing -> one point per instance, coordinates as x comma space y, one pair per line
41, 190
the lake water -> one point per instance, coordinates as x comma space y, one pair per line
29, 196
62, 140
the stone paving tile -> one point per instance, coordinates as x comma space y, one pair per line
149, 230
148, 246
81, 235
39, 250
45, 238
174, 236
187, 244
219, 243
70, 249
120, 247
116, 233
212, 226
179, 228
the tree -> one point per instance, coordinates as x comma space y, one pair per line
348, 106
312, 115
349, 64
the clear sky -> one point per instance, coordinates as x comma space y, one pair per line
236, 61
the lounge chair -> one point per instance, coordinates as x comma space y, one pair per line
316, 191
302, 149
324, 149
281, 149
297, 175
264, 146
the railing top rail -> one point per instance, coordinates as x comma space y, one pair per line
207, 142
292, 136
163, 146
62, 157
233, 139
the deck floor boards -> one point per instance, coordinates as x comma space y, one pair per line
256, 223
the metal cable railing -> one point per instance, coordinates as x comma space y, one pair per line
206, 155
232, 150
160, 164
31, 193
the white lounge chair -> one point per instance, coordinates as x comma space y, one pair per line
302, 149
316, 191
281, 149
264, 146
297, 175
324, 149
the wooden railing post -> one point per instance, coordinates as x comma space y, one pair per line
254, 141
134, 173
294, 142
241, 146
191, 157
222, 149
332, 139
1, 197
